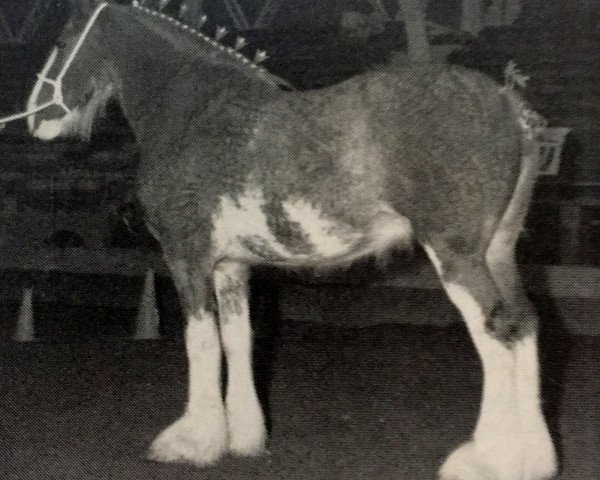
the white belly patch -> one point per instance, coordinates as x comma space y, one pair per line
238, 221
243, 229
321, 232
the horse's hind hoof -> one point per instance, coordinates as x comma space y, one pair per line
463, 464
199, 442
250, 448
466, 463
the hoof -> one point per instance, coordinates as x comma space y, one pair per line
197, 441
247, 431
468, 463
463, 464
248, 445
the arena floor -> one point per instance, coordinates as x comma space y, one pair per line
383, 402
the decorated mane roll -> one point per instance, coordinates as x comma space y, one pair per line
220, 33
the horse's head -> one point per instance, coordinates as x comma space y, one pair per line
75, 82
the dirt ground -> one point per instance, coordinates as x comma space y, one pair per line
384, 402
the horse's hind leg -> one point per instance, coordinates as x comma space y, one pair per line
501, 261
506, 442
199, 436
536, 438
247, 432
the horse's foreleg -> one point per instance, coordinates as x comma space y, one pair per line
505, 443
200, 435
247, 432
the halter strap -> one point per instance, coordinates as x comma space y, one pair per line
56, 83
80, 41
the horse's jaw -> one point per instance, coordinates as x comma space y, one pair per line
55, 127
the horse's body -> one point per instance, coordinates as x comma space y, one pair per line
236, 171
346, 160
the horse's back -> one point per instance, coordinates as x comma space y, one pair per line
423, 139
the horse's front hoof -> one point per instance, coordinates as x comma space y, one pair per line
248, 446
192, 440
247, 430
469, 463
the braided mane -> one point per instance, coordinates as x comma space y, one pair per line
226, 49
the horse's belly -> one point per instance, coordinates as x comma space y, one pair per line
295, 231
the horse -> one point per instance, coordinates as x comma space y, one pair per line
238, 169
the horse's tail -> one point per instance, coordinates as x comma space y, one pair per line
531, 125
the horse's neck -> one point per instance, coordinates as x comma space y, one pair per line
149, 74
162, 89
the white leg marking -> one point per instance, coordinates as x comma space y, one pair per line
435, 260
247, 431
541, 455
540, 460
200, 435
496, 446
511, 441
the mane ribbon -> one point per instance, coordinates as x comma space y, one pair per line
56, 83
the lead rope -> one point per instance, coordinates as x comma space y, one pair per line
56, 83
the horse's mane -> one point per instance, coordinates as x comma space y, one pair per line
194, 45
200, 46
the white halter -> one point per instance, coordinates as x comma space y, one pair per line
57, 97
